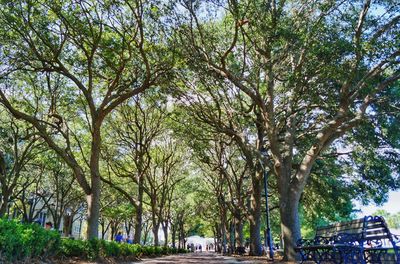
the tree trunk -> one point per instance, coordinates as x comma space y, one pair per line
239, 232
223, 234
146, 234
4, 204
290, 224
165, 230
173, 235
93, 198
255, 218
179, 239
93, 202
103, 231
182, 234
155, 234
232, 238
139, 212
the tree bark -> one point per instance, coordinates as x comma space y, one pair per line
165, 230
223, 234
173, 235
93, 199
290, 224
155, 234
255, 218
146, 234
93, 202
232, 236
139, 214
239, 232
4, 203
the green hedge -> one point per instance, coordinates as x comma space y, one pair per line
23, 241
95, 248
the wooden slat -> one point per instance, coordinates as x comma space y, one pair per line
371, 225
374, 229
351, 227
377, 237
376, 232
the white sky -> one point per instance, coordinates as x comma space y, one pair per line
392, 205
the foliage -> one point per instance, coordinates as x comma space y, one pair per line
392, 220
171, 106
94, 249
23, 241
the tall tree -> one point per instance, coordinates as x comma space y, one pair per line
214, 108
132, 132
314, 71
166, 171
79, 61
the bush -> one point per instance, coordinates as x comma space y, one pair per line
93, 249
73, 248
181, 250
111, 249
22, 241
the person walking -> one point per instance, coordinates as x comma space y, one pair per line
119, 238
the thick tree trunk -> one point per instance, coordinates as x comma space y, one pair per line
93, 202
219, 239
182, 234
179, 239
239, 232
93, 199
223, 234
232, 236
290, 224
155, 234
255, 219
165, 230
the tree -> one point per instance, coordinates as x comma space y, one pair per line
392, 220
313, 72
213, 108
231, 186
132, 132
19, 146
76, 62
60, 198
161, 180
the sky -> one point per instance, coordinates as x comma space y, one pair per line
392, 205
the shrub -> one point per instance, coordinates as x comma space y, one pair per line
111, 249
22, 241
73, 248
181, 250
92, 249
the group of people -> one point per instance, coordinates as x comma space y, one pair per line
195, 248
119, 238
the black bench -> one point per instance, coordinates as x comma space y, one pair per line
365, 240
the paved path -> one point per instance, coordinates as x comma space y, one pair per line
206, 258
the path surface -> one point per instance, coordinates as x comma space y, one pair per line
206, 258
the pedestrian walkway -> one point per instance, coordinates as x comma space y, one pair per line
205, 257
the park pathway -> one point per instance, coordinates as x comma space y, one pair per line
206, 258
